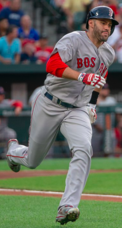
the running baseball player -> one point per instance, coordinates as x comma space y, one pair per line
76, 70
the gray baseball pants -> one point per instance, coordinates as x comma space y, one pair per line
47, 119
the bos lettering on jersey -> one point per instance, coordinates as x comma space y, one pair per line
90, 62
87, 62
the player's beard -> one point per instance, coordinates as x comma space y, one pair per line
99, 34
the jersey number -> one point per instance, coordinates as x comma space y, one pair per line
86, 62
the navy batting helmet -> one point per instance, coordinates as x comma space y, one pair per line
102, 12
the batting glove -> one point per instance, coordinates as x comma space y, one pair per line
92, 79
91, 108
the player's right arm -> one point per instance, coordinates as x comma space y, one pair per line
58, 68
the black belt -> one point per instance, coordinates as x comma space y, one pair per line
66, 105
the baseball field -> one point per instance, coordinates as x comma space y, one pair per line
29, 199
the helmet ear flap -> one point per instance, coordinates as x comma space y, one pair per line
87, 25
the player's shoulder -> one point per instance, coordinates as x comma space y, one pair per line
75, 34
109, 48
109, 52
72, 37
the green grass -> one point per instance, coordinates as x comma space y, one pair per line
40, 212
102, 183
47, 164
53, 164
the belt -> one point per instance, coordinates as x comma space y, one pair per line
58, 101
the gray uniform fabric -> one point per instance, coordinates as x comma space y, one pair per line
48, 117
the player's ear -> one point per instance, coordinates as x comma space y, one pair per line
91, 23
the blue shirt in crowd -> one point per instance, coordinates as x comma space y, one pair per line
13, 17
33, 35
8, 51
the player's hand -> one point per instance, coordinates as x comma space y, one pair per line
91, 108
92, 79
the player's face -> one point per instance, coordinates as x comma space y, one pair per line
102, 29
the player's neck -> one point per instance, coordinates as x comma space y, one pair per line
94, 40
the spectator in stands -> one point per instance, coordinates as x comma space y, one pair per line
43, 51
10, 47
28, 51
98, 127
13, 13
5, 132
120, 13
90, 6
26, 31
59, 19
57, 3
3, 26
4, 3
104, 98
73, 8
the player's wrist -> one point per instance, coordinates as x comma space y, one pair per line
94, 97
81, 77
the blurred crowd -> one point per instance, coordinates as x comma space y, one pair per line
20, 42
107, 129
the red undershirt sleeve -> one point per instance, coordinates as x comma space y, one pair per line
55, 65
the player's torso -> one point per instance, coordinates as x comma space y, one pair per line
79, 53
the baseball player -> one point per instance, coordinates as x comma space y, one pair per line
76, 70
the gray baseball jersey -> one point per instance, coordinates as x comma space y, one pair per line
79, 53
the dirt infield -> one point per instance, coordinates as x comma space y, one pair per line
34, 173
31, 173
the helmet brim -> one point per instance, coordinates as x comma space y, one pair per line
114, 22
